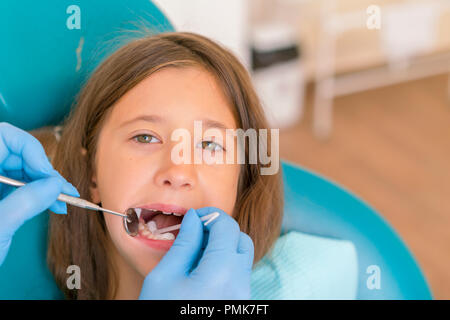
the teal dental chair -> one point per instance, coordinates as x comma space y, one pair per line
50, 48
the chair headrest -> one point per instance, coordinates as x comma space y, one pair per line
48, 50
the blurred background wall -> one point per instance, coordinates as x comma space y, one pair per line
360, 91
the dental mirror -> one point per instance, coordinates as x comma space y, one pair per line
131, 222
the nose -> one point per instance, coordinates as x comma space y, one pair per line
176, 176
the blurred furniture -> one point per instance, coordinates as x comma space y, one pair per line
223, 21
277, 73
411, 48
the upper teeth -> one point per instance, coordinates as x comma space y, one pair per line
139, 211
174, 213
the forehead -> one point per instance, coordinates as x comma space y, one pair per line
176, 94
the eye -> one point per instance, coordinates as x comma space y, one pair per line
144, 138
208, 144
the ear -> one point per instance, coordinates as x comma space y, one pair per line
93, 188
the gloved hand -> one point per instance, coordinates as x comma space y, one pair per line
23, 158
221, 270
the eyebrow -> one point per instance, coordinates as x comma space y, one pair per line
208, 123
148, 118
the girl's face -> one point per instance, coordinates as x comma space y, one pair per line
134, 167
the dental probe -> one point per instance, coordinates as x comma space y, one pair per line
210, 217
77, 202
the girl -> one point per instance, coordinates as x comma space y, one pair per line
116, 145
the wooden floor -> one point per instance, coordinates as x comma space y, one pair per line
391, 146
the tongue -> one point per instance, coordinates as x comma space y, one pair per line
164, 220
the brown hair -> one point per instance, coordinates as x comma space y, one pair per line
82, 239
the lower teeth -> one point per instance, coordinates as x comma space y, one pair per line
145, 231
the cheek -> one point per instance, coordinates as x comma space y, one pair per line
115, 228
114, 168
219, 185
119, 179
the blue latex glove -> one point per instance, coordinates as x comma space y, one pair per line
221, 270
23, 158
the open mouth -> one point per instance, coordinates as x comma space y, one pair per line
152, 219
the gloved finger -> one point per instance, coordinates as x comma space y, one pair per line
15, 174
26, 202
20, 150
69, 189
223, 231
12, 162
22, 144
202, 249
221, 248
58, 207
178, 261
14, 167
246, 249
